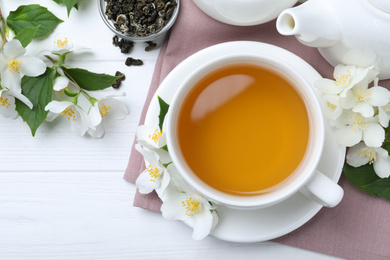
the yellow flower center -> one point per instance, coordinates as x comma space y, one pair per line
62, 44
357, 122
14, 65
192, 206
154, 173
362, 94
69, 112
104, 109
156, 135
331, 106
4, 102
342, 79
368, 152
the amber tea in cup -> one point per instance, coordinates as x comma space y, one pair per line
243, 129
247, 131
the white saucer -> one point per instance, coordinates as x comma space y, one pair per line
278, 220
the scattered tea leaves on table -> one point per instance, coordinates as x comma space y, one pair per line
125, 45
33, 16
68, 3
26, 35
118, 82
89, 80
151, 46
133, 62
39, 91
163, 111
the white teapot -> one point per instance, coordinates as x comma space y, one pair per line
244, 12
349, 32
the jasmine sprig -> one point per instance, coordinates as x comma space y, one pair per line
30, 93
180, 202
361, 114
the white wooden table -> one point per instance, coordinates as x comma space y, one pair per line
63, 196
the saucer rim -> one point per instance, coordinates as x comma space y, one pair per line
165, 92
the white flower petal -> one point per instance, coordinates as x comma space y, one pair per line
203, 223
145, 184
382, 167
94, 115
32, 66
11, 80
7, 109
172, 208
13, 49
60, 83
81, 124
3, 62
382, 152
332, 106
58, 106
363, 75
379, 96
384, 117
328, 86
165, 180
374, 135
349, 137
98, 132
364, 109
150, 156
51, 116
144, 136
21, 97
118, 109
162, 141
348, 100
355, 157
61, 44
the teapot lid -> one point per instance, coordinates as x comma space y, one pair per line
384, 5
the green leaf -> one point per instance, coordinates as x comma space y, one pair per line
361, 176
32, 16
39, 91
380, 188
163, 111
26, 35
89, 80
68, 3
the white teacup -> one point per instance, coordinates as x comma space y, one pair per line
305, 178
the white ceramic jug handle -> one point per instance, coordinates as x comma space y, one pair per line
323, 190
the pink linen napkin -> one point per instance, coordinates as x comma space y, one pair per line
357, 228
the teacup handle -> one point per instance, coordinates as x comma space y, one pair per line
323, 190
